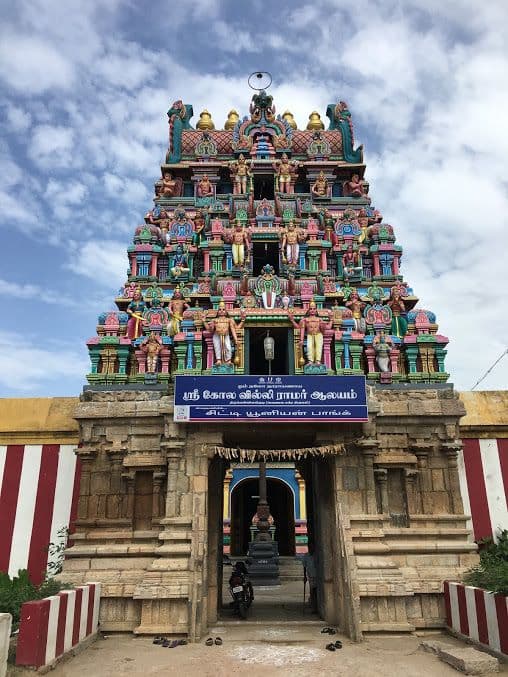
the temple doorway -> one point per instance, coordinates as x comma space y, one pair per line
263, 253
244, 498
255, 354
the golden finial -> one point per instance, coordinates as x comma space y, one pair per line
315, 121
205, 121
289, 118
233, 118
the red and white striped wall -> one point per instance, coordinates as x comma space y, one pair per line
480, 615
39, 491
483, 474
52, 626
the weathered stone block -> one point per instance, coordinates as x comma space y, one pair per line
469, 661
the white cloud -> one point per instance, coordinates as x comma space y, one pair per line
31, 65
18, 119
51, 146
25, 365
103, 261
33, 292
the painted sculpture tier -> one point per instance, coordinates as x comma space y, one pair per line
264, 228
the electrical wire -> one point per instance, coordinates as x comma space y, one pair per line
491, 368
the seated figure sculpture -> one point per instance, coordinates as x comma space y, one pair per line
354, 187
320, 186
180, 262
204, 187
168, 187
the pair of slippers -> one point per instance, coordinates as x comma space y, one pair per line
329, 631
162, 641
333, 646
210, 641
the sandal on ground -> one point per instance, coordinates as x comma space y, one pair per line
158, 640
330, 647
170, 645
338, 644
209, 641
325, 630
218, 641
182, 642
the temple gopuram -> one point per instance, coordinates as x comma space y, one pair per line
265, 319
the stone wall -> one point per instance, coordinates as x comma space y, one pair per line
388, 519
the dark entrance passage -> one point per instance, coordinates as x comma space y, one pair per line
256, 353
263, 187
263, 253
244, 500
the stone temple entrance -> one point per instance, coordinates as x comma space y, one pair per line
281, 500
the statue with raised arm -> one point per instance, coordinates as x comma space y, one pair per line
240, 172
285, 170
224, 334
311, 328
354, 187
290, 244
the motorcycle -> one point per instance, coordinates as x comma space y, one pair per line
241, 589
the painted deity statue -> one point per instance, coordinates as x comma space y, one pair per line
290, 243
320, 186
177, 307
382, 348
180, 262
240, 172
239, 238
356, 306
204, 187
168, 187
398, 308
354, 187
311, 328
200, 223
285, 171
224, 334
152, 347
135, 311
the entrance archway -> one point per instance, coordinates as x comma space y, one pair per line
244, 498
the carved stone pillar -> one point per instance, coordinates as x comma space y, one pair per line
158, 478
381, 475
369, 448
171, 495
130, 479
451, 449
411, 476
422, 452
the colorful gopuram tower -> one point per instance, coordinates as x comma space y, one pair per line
264, 231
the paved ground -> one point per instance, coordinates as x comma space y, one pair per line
280, 637
251, 649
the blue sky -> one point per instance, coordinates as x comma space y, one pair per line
85, 87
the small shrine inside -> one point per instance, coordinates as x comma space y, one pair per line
262, 227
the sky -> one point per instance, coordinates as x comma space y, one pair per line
84, 90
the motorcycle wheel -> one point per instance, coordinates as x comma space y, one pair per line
242, 610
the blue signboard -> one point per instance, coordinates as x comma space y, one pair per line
276, 399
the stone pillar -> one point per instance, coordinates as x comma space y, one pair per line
381, 475
411, 476
369, 448
451, 449
173, 458
422, 451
